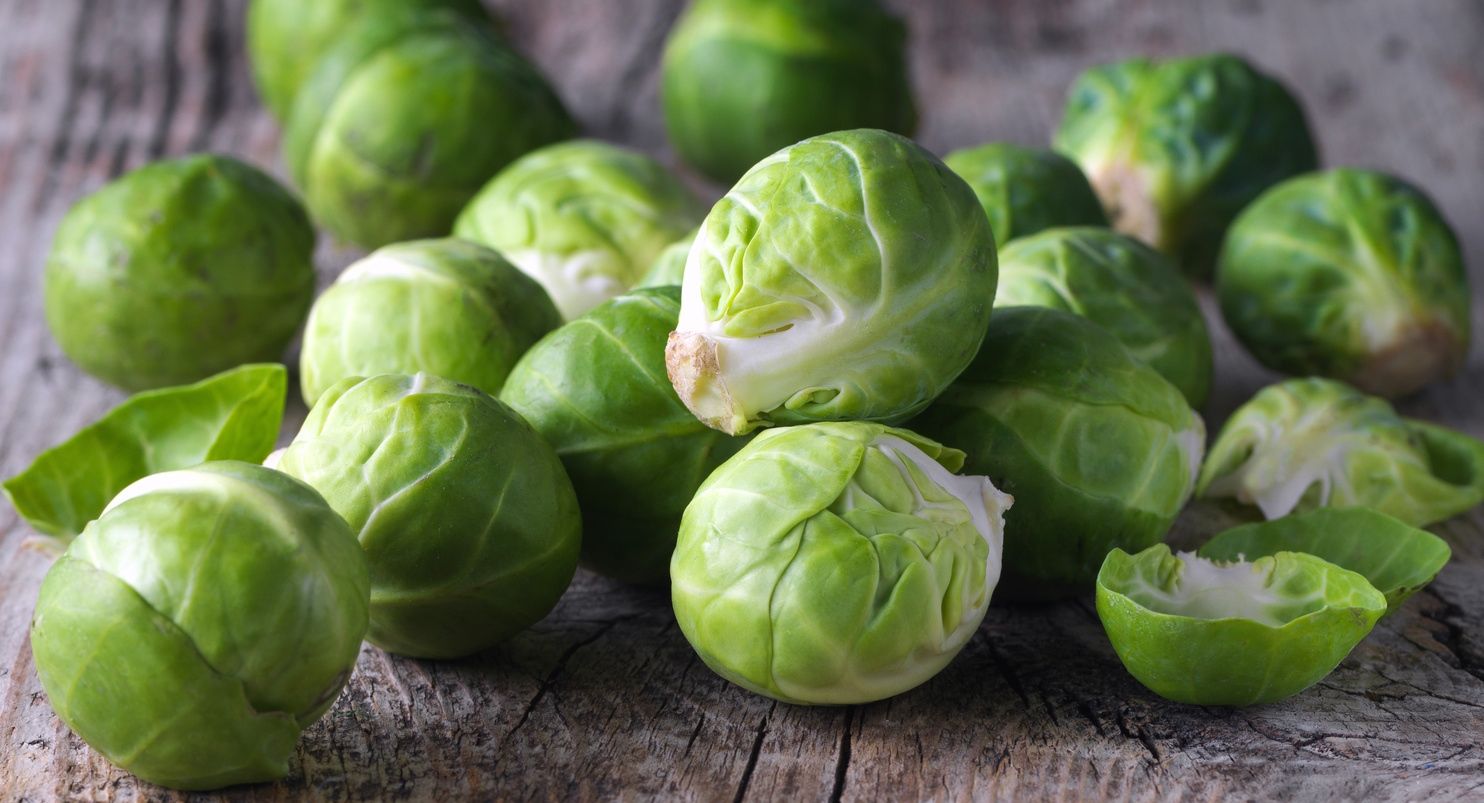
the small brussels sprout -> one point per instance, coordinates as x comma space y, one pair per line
836, 563
1396, 558
1347, 274
1309, 443
1207, 633
234, 415
204, 620
400, 125
1026, 190
596, 390
1121, 285
286, 38
669, 267
1176, 148
743, 78
584, 218
179, 270
468, 520
1098, 450
448, 307
849, 276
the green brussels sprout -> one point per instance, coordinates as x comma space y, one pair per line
669, 267
400, 125
1176, 148
468, 520
1207, 633
1097, 448
448, 307
286, 38
596, 390
179, 270
1396, 558
1347, 274
234, 415
584, 218
836, 563
743, 78
1026, 190
1121, 285
1309, 443
849, 276
204, 620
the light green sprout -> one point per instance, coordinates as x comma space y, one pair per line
1026, 190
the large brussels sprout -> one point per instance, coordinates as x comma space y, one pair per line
1308, 443
1347, 274
179, 270
1098, 450
669, 267
1123, 286
596, 390
1176, 148
849, 276
402, 123
448, 307
836, 562
286, 38
584, 218
211, 614
744, 78
468, 520
1210, 633
1026, 190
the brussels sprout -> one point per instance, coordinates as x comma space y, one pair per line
744, 78
1347, 274
1098, 449
1309, 443
401, 124
1026, 190
1121, 285
669, 267
584, 218
448, 307
286, 38
205, 619
234, 415
178, 270
1394, 557
1208, 633
468, 520
1176, 148
849, 276
596, 390
836, 562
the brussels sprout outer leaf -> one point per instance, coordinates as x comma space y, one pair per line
669, 267
1026, 190
1396, 558
234, 415
1294, 618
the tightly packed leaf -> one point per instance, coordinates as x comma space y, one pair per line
465, 514
836, 563
585, 219
1348, 274
1026, 190
203, 621
849, 276
1309, 443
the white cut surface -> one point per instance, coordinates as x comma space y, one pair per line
577, 281
1207, 589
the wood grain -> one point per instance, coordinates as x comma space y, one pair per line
604, 699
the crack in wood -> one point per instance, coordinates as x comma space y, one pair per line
757, 749
556, 671
842, 761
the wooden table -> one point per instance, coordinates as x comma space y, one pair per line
605, 698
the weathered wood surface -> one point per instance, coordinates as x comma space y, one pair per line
604, 698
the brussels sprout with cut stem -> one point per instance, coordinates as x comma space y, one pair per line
849, 276
204, 620
836, 563
1212, 633
1308, 443
1026, 190
1347, 274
